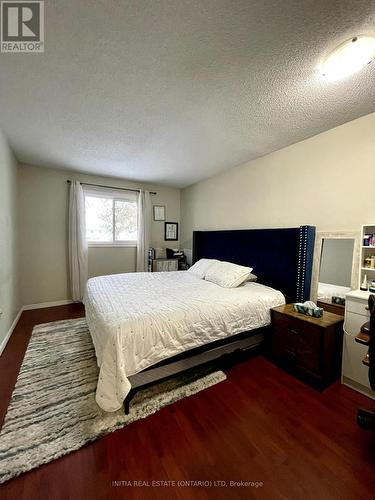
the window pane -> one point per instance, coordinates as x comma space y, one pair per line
125, 220
99, 219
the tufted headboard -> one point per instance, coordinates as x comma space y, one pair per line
281, 258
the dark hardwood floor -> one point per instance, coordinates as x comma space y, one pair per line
261, 424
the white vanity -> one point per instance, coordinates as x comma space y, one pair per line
354, 372
339, 266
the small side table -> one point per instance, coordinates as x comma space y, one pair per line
309, 347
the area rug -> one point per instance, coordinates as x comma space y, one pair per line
53, 411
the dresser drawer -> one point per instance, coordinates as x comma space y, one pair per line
353, 323
163, 265
358, 307
297, 343
173, 265
352, 367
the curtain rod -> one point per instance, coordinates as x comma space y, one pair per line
110, 187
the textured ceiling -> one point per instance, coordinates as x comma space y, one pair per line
173, 91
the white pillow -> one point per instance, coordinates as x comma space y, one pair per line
200, 268
228, 275
252, 278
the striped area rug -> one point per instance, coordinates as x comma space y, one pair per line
53, 410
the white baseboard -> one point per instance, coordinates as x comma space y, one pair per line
10, 331
29, 307
42, 305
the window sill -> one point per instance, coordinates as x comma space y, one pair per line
126, 244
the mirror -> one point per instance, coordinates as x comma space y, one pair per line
336, 261
335, 273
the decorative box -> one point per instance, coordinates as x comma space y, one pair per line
309, 309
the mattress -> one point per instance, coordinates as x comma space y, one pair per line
139, 319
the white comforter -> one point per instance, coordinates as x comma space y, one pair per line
139, 319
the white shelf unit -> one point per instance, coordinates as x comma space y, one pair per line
366, 251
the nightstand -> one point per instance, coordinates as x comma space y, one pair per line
309, 347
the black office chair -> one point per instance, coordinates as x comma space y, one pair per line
366, 418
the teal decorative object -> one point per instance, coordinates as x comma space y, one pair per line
308, 308
338, 300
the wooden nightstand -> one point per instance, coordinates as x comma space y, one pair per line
309, 347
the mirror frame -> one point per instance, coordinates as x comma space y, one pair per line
320, 236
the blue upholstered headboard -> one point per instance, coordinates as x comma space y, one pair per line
281, 258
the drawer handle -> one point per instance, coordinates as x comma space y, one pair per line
367, 308
293, 331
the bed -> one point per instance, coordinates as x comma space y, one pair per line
150, 326
138, 319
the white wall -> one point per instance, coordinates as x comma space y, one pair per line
9, 291
43, 205
327, 181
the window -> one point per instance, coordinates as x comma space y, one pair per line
111, 218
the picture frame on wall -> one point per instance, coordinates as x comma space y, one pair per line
171, 231
159, 212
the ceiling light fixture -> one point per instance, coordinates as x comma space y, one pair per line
348, 58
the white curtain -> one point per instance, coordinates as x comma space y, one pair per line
78, 254
144, 230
